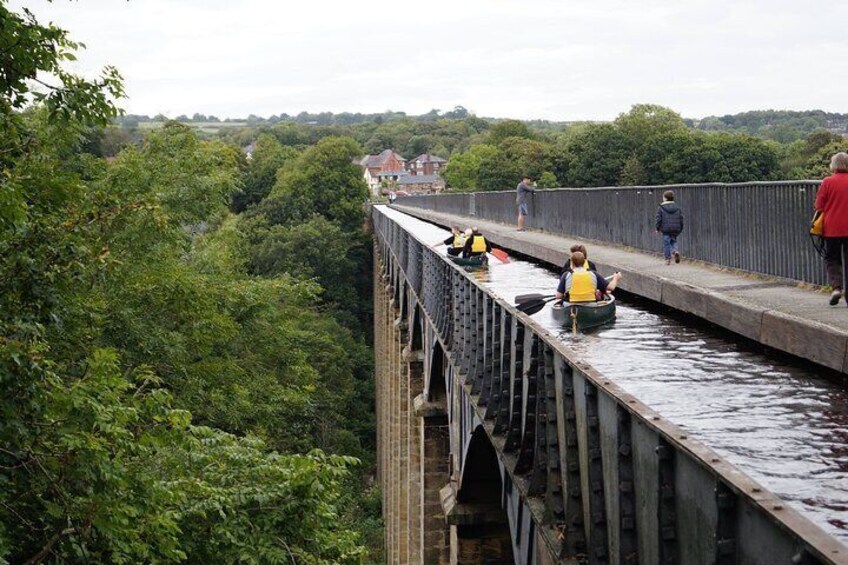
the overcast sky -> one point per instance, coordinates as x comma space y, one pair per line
554, 59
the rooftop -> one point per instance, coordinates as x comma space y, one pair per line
420, 179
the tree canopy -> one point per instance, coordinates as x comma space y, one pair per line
167, 395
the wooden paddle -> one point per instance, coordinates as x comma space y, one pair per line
532, 306
501, 255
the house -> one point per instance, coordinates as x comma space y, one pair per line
426, 164
420, 184
386, 166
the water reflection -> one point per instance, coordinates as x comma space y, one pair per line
780, 421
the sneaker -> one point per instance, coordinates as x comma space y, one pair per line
834, 297
668, 261
521, 229
677, 257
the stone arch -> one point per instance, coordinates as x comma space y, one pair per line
480, 481
436, 391
417, 329
479, 520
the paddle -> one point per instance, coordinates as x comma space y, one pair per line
500, 254
532, 306
521, 298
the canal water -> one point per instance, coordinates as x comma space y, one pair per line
780, 420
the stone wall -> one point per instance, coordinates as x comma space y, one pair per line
412, 441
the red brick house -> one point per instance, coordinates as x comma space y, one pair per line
386, 166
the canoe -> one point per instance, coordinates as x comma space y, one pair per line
585, 314
479, 261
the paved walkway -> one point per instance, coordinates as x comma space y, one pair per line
774, 312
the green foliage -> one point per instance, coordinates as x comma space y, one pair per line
30, 51
324, 180
31, 58
647, 145
593, 156
123, 477
547, 180
462, 168
810, 159
645, 121
778, 125
506, 129
126, 304
515, 158
269, 156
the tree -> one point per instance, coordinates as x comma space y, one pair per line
269, 156
508, 128
31, 58
324, 180
462, 168
547, 180
113, 299
124, 300
516, 157
458, 113
595, 156
645, 121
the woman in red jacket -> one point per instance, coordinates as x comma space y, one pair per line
832, 201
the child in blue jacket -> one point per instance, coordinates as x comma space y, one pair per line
670, 225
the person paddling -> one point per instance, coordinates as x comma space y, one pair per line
580, 284
456, 242
612, 281
475, 244
569, 266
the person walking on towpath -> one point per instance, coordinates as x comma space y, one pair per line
832, 203
475, 244
669, 223
524, 188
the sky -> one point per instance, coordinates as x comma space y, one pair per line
561, 60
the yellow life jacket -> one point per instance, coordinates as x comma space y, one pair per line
478, 244
583, 286
459, 241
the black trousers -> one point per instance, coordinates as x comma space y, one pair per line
835, 248
454, 251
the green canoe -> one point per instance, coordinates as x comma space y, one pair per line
585, 315
479, 261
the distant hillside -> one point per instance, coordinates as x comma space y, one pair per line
779, 125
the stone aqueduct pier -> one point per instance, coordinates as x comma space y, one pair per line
496, 445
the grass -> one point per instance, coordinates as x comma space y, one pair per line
204, 127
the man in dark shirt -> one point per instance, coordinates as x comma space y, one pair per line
524, 188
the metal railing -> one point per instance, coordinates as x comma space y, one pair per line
761, 227
617, 482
